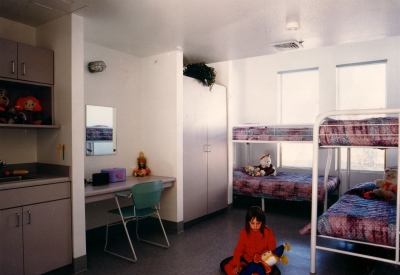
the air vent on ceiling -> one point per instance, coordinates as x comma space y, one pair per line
289, 45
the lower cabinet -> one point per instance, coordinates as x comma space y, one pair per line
35, 238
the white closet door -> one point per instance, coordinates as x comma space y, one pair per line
218, 151
194, 153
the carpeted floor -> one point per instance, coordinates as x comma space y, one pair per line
201, 247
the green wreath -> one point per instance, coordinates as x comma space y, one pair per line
201, 72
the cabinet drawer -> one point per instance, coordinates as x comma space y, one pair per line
35, 194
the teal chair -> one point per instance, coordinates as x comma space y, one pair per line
145, 198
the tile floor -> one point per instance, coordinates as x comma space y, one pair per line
201, 247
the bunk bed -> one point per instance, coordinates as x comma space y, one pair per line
353, 218
283, 186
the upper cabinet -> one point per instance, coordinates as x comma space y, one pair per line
25, 62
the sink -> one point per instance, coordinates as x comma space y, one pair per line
19, 178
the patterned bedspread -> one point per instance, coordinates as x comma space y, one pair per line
272, 133
283, 186
355, 218
381, 131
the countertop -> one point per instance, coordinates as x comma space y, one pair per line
102, 192
44, 179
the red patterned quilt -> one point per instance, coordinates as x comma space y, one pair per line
272, 133
355, 218
381, 131
283, 186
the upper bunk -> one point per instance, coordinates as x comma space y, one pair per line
378, 132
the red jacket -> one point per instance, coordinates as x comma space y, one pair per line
254, 243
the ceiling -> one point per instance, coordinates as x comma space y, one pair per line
215, 30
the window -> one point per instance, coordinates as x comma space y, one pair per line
365, 84
299, 104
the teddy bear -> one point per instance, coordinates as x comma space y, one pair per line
387, 187
264, 169
141, 170
5, 113
262, 264
28, 111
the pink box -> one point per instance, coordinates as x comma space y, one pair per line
115, 174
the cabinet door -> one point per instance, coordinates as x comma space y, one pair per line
11, 245
194, 149
47, 236
35, 64
217, 165
8, 58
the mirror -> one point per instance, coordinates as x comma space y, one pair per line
101, 132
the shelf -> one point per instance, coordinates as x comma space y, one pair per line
28, 126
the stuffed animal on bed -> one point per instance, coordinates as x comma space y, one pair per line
387, 187
264, 169
262, 264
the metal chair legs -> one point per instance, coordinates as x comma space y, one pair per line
147, 241
129, 239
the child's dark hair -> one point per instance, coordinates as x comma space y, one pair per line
257, 213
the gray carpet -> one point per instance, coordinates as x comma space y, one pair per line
201, 247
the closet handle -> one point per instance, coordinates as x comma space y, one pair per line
23, 64
29, 217
13, 67
207, 148
17, 219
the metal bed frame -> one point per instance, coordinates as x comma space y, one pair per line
316, 147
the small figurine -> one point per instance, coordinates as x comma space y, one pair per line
141, 170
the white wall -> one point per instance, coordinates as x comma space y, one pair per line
65, 37
117, 86
161, 129
253, 81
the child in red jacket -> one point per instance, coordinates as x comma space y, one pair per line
255, 238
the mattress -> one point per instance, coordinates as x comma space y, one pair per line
283, 186
264, 133
378, 132
353, 217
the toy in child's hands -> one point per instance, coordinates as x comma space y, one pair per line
264, 169
263, 263
28, 111
387, 187
141, 170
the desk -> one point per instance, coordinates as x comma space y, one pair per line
104, 192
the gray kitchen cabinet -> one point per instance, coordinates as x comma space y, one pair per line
11, 244
205, 150
26, 62
8, 58
36, 236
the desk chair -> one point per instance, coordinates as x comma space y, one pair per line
145, 198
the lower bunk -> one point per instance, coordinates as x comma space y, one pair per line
360, 221
283, 186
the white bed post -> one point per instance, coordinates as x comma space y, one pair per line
327, 168
314, 197
398, 198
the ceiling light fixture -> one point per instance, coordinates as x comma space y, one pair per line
292, 26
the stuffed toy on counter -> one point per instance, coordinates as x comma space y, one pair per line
262, 264
141, 170
386, 187
264, 169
